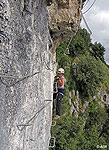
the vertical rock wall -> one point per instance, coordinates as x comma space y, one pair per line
25, 76
64, 18
27, 67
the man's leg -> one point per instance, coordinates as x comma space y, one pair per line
58, 103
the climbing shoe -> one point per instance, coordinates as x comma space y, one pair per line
57, 117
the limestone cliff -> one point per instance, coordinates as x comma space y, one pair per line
27, 67
64, 19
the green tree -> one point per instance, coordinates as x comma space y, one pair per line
88, 73
96, 116
85, 72
98, 50
69, 133
80, 43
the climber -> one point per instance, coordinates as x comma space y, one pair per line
60, 91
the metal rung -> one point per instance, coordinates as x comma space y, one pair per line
53, 124
32, 118
52, 142
21, 126
24, 125
48, 100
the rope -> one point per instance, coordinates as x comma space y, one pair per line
86, 23
89, 7
32, 118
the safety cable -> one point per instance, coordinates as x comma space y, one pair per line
89, 7
69, 42
13, 77
32, 118
46, 64
47, 67
4, 83
68, 45
25, 77
8, 76
86, 3
86, 23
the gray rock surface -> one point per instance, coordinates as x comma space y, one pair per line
23, 52
27, 68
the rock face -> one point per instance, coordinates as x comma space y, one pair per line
27, 68
104, 96
75, 105
64, 18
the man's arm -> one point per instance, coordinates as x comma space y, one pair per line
61, 81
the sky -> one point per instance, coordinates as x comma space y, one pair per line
98, 20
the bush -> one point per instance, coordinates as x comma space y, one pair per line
98, 51
80, 43
84, 72
88, 73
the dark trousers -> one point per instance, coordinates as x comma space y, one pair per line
58, 96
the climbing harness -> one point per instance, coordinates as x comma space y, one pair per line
55, 90
61, 93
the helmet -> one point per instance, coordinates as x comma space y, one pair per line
61, 70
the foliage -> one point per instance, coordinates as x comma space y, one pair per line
85, 71
81, 133
97, 50
96, 115
79, 43
88, 74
